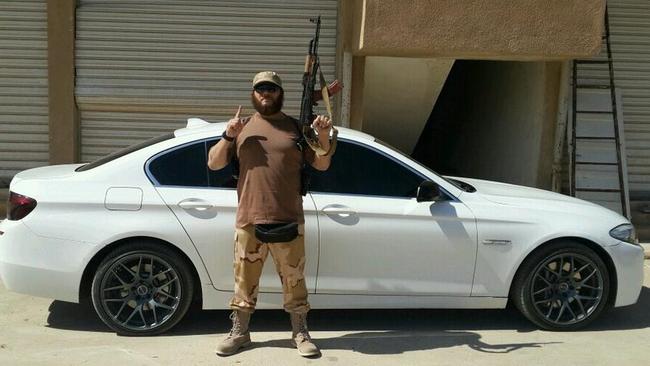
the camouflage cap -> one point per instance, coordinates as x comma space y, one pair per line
267, 77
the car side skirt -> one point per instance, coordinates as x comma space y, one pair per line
215, 300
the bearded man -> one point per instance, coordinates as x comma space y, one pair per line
268, 190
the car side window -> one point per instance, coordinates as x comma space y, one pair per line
184, 166
187, 166
356, 169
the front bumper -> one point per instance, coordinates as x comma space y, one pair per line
628, 260
41, 266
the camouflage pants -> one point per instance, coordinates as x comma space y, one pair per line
289, 259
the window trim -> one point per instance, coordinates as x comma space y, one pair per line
155, 182
205, 140
388, 156
385, 144
152, 178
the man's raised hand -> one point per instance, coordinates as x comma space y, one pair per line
235, 125
322, 124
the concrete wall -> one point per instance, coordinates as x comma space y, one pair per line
398, 96
476, 29
479, 29
496, 122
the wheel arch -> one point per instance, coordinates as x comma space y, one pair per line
93, 264
598, 249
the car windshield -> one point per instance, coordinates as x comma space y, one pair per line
384, 143
124, 151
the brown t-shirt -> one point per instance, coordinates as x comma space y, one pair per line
269, 171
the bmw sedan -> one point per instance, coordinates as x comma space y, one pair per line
148, 230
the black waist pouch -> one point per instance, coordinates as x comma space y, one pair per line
276, 233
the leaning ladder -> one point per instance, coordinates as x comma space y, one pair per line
597, 173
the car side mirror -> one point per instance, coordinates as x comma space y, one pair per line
428, 191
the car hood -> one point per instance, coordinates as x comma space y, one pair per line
511, 194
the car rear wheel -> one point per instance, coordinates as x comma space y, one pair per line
142, 288
564, 286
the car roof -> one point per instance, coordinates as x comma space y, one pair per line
199, 127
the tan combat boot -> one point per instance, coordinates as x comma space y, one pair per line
239, 336
301, 338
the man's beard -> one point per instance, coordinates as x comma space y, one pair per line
268, 110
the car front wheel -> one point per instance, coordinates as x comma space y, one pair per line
563, 286
142, 288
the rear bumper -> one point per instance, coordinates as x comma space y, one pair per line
628, 260
41, 266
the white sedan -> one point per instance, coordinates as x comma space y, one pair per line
148, 230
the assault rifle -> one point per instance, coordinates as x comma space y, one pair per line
310, 96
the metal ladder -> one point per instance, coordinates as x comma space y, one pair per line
597, 174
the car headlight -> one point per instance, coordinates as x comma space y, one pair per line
625, 232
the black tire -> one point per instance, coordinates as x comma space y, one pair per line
563, 286
142, 288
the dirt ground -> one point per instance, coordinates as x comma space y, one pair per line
36, 331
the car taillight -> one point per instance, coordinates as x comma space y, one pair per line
19, 206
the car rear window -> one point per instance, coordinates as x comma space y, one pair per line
181, 166
187, 166
125, 151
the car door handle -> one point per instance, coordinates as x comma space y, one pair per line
338, 210
194, 204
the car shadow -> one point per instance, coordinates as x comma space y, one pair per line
442, 327
71, 316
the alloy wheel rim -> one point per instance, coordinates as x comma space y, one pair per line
566, 288
140, 292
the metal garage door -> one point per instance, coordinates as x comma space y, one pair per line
23, 87
630, 28
144, 67
630, 41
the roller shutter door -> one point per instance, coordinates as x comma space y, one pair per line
630, 28
23, 87
630, 42
144, 67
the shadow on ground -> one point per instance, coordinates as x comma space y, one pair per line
371, 331
375, 332
67, 315
397, 342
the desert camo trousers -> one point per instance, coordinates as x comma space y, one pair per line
289, 259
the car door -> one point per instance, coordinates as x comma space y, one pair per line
205, 203
376, 239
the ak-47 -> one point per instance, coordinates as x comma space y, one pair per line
310, 96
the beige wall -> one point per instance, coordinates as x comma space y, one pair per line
474, 29
398, 96
483, 29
